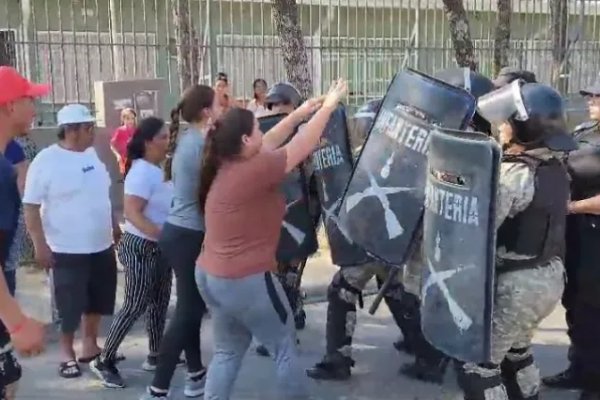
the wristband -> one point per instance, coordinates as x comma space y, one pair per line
18, 327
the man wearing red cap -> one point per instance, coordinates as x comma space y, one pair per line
17, 110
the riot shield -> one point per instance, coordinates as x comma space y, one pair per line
383, 201
459, 244
298, 235
332, 167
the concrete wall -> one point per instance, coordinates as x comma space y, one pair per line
44, 137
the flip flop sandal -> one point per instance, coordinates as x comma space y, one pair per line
86, 360
69, 369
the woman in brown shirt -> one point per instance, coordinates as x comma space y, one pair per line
243, 210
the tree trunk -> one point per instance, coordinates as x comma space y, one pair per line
502, 37
295, 60
558, 29
188, 54
461, 34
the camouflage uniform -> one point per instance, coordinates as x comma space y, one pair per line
523, 298
288, 275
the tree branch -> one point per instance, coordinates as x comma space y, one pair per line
295, 60
461, 34
502, 35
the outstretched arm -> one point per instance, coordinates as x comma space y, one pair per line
277, 135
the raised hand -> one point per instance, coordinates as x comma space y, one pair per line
309, 107
336, 92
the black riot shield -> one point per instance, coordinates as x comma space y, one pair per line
298, 234
459, 242
332, 167
383, 202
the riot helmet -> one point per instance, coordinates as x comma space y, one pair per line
465, 78
474, 83
283, 93
510, 74
535, 111
592, 95
362, 121
591, 91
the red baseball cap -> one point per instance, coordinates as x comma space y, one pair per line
15, 86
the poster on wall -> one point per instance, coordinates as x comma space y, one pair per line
146, 103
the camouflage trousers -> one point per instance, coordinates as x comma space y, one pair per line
523, 298
344, 293
288, 275
10, 374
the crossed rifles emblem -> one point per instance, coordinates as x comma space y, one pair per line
435, 278
394, 229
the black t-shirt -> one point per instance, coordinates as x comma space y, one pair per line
10, 207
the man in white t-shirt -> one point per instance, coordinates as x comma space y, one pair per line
69, 217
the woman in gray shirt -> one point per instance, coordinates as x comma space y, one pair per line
180, 242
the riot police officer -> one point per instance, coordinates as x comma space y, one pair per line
531, 217
356, 267
430, 364
580, 297
283, 98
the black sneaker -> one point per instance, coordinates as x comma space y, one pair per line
332, 368
107, 373
152, 361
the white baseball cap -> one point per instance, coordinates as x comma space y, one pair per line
74, 114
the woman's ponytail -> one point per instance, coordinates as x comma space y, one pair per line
210, 166
173, 134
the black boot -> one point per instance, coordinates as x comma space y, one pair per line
300, 320
404, 307
333, 368
403, 346
432, 371
567, 379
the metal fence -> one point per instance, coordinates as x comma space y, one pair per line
73, 43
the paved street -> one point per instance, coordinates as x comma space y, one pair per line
375, 376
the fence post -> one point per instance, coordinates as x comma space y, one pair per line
117, 51
212, 40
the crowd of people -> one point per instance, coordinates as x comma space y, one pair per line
189, 210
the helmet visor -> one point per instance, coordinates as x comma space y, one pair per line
501, 104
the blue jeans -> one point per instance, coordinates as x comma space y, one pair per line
242, 308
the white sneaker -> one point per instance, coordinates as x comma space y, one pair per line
150, 395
